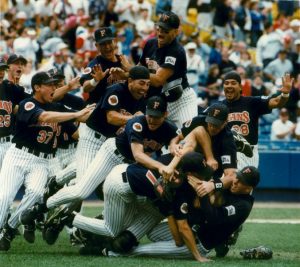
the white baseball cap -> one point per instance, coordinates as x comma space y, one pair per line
295, 23
21, 15
191, 45
297, 42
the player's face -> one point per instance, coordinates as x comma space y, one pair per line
46, 92
213, 129
237, 187
16, 69
165, 37
155, 122
138, 88
232, 90
107, 50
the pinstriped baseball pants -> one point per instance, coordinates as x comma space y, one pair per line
184, 109
122, 210
21, 167
163, 249
244, 161
101, 165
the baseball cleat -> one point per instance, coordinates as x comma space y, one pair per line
30, 215
29, 233
7, 235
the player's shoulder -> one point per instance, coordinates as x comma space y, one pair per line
137, 124
29, 104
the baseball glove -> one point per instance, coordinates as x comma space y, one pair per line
261, 253
242, 144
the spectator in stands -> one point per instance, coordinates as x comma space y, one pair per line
268, 45
297, 131
144, 25
257, 87
27, 7
278, 67
43, 12
215, 56
25, 79
63, 9
294, 32
51, 30
163, 6
237, 48
125, 10
205, 9
245, 83
295, 57
195, 66
243, 18
282, 128
213, 84
110, 15
226, 64
222, 17
292, 104
247, 63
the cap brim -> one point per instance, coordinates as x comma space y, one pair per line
154, 113
214, 121
23, 60
241, 178
59, 76
163, 26
105, 40
52, 80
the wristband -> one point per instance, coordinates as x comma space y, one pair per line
285, 95
218, 184
93, 82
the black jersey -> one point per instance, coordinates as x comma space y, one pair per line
42, 137
244, 114
10, 96
100, 90
118, 98
223, 145
137, 130
64, 137
220, 222
172, 57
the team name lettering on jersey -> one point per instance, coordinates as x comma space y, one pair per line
239, 116
226, 159
6, 105
230, 210
152, 144
170, 60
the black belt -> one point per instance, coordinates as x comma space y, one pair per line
35, 152
124, 177
117, 152
5, 139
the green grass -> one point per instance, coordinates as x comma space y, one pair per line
284, 239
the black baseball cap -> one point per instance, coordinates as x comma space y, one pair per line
103, 34
249, 176
14, 58
56, 73
156, 106
42, 78
139, 72
168, 21
195, 162
3, 64
217, 114
233, 75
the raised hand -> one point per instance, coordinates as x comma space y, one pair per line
287, 83
98, 74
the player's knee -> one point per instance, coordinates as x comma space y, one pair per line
124, 242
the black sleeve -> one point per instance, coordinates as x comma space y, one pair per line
73, 101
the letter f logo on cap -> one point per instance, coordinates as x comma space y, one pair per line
156, 105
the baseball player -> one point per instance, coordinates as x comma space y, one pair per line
166, 60
244, 112
222, 143
212, 225
27, 160
98, 78
121, 103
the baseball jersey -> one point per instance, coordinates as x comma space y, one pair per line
99, 91
137, 130
220, 222
171, 56
64, 137
39, 136
10, 96
118, 98
73, 101
244, 114
223, 145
